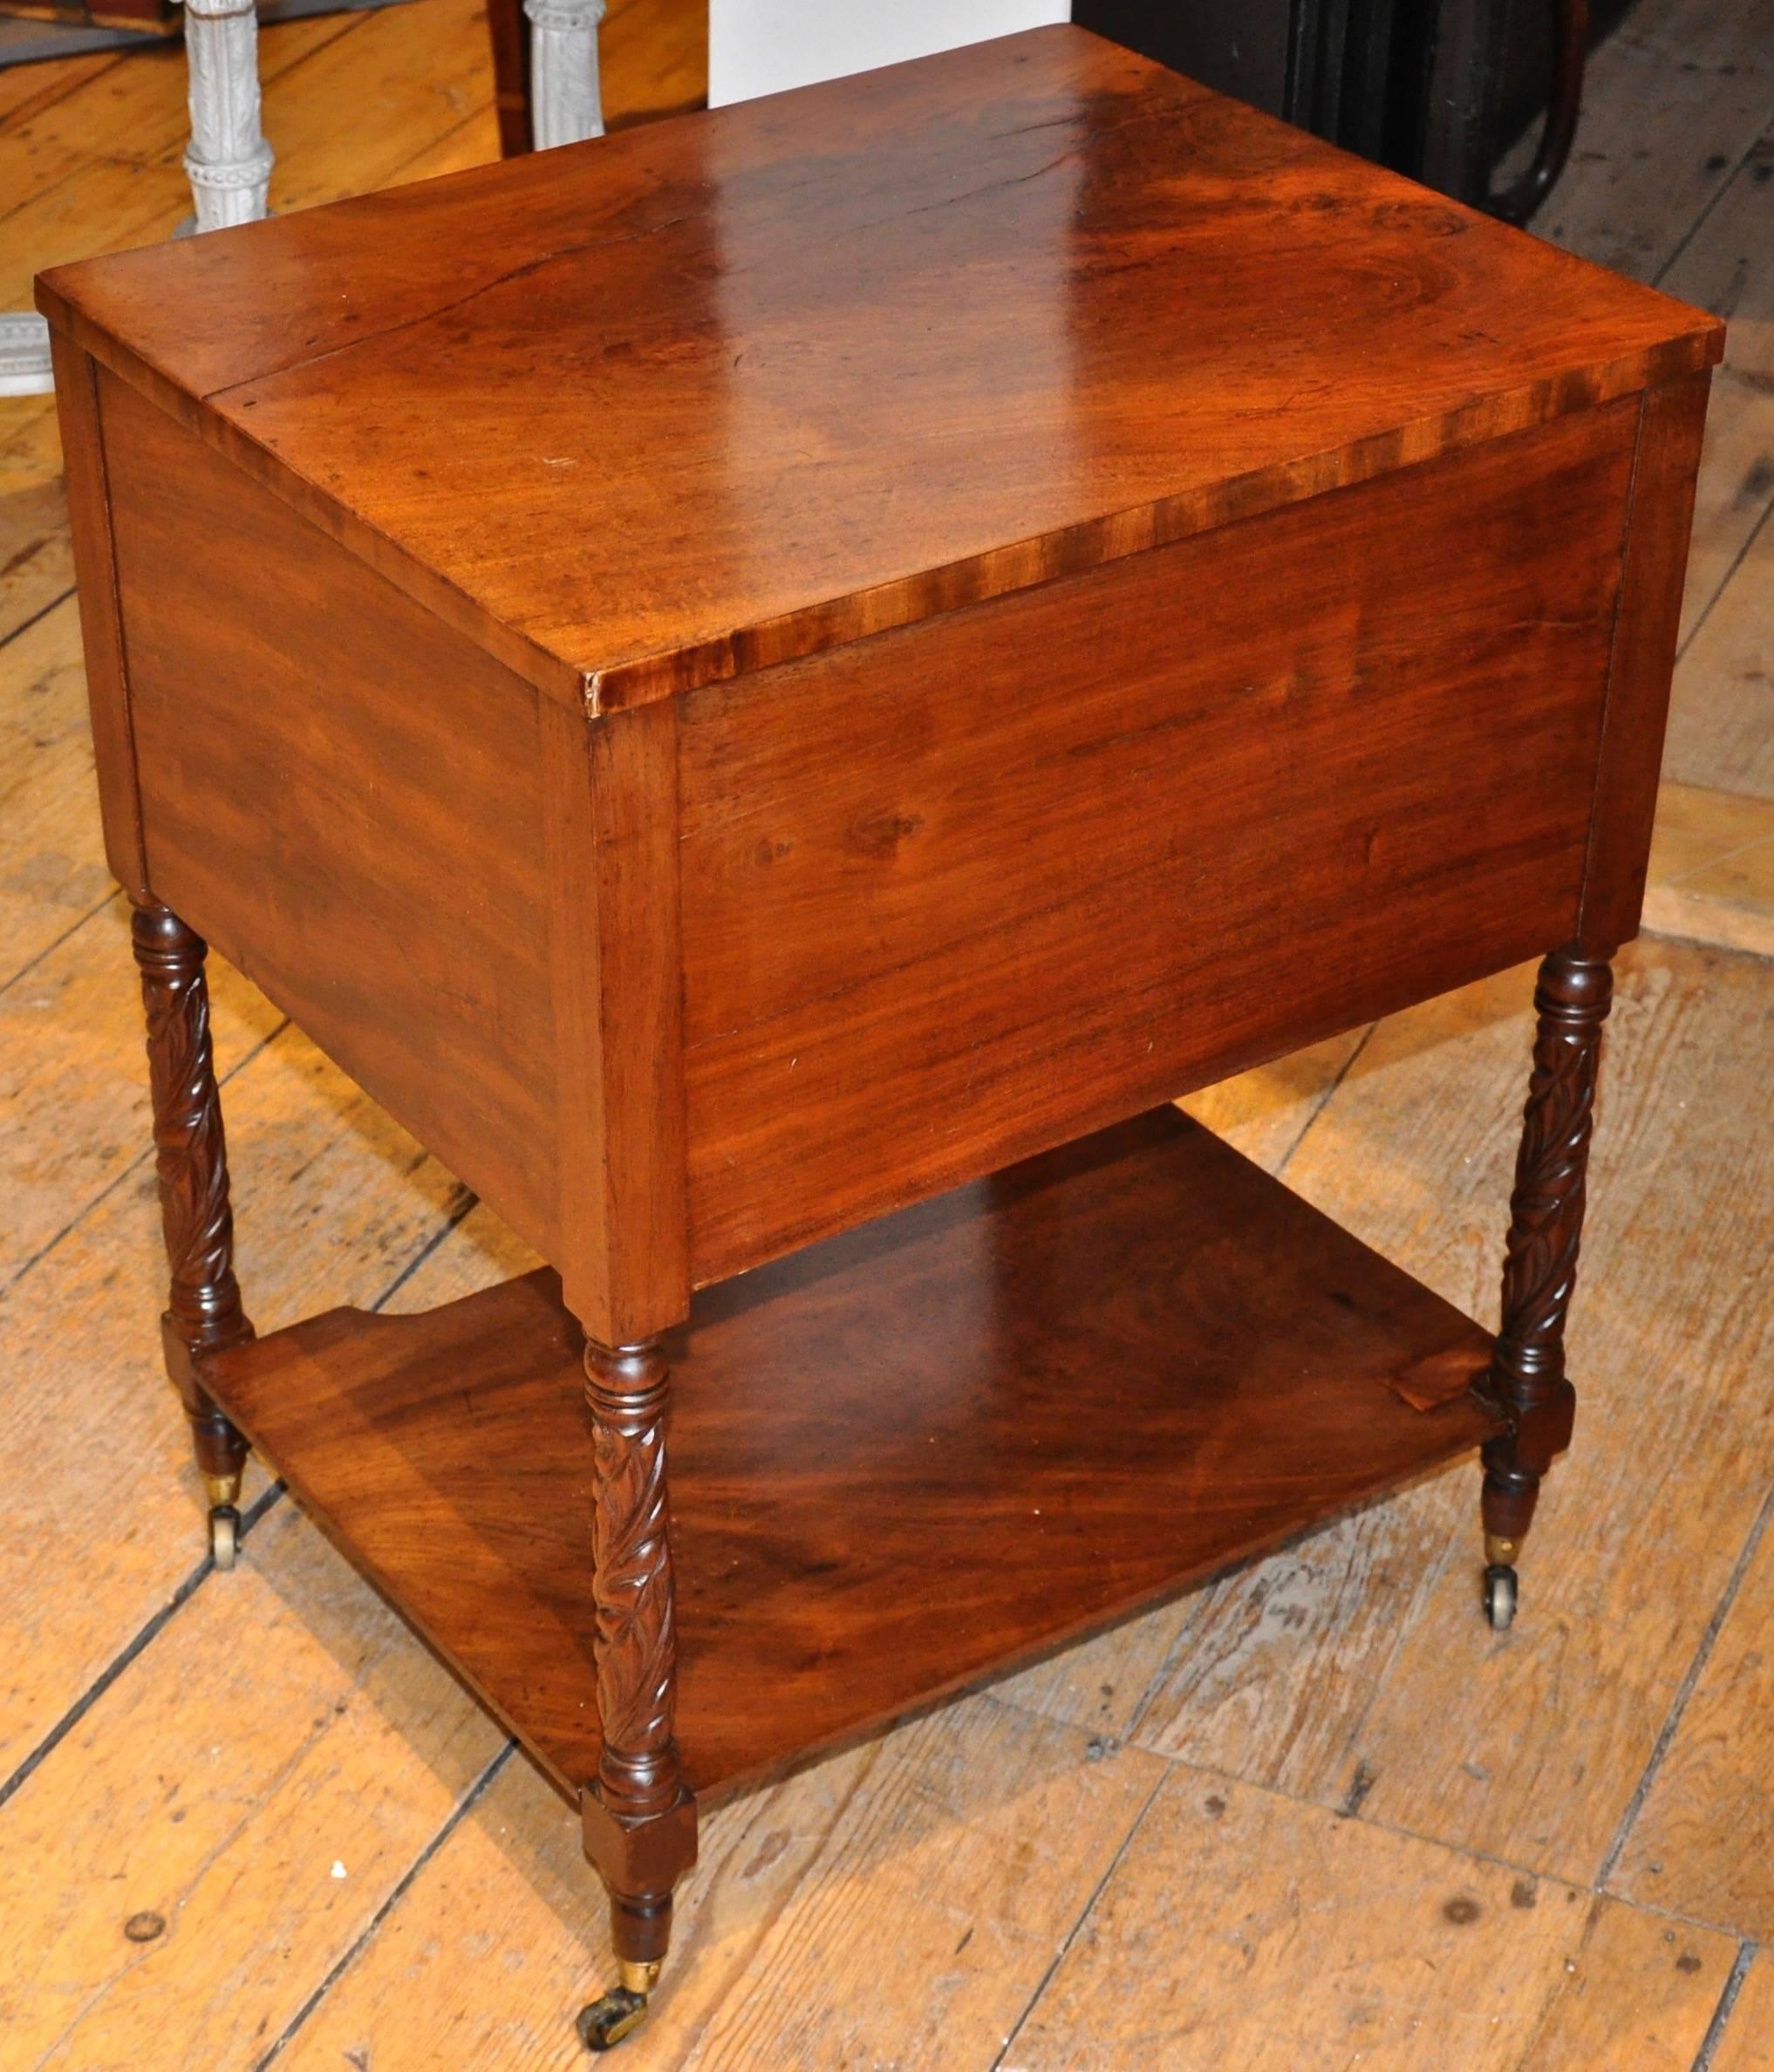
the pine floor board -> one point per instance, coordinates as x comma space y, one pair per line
1241, 1928
1673, 102
53, 871
1703, 1844
259, 1781
99, 1497
898, 1905
1747, 2044
1640, 1527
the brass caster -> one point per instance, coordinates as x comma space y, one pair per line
224, 1535
621, 2011
1500, 1597
607, 2021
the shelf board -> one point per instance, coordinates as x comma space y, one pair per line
902, 1461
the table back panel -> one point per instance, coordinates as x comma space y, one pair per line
961, 891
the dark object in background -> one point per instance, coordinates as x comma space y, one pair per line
509, 26
1438, 89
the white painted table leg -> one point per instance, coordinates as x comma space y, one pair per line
228, 160
567, 100
24, 355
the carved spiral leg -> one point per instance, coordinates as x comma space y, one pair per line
640, 1823
1527, 1371
203, 1308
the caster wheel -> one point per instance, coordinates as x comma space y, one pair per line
607, 2021
224, 1535
1499, 1597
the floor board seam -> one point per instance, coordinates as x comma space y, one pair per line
118, 1179
1727, 2002
458, 1813
36, 618
1325, 1100
1718, 194
271, 1496
1696, 1668
107, 1676
1726, 581
1073, 1933
50, 949
56, 92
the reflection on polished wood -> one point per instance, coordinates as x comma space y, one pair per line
900, 1459
909, 340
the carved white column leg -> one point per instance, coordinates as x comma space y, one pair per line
229, 161
567, 102
24, 355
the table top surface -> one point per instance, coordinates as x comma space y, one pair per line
652, 411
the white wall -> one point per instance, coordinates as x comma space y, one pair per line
761, 46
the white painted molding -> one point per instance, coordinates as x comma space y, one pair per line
566, 98
229, 161
24, 356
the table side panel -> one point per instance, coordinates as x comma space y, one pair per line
1643, 662
344, 797
961, 891
101, 635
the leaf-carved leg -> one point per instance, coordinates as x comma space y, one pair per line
203, 1309
639, 1821
227, 161
1527, 1379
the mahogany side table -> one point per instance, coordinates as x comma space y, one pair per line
776, 687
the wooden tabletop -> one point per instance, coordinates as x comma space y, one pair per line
658, 409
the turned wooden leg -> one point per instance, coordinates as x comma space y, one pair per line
203, 1309
640, 1823
566, 99
1527, 1371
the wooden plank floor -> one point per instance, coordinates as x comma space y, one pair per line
1314, 1816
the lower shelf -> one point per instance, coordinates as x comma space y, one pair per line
901, 1461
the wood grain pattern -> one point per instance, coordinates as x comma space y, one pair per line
304, 797
481, 1959
357, 1747
926, 1376
978, 1833
1640, 1991
1644, 654
58, 875
1748, 2043
1527, 1378
337, 1203
1240, 1928
107, 685
938, 915
1701, 1844
203, 1313
38, 567
1721, 714
1045, 241
610, 810
1667, 1348
1673, 100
